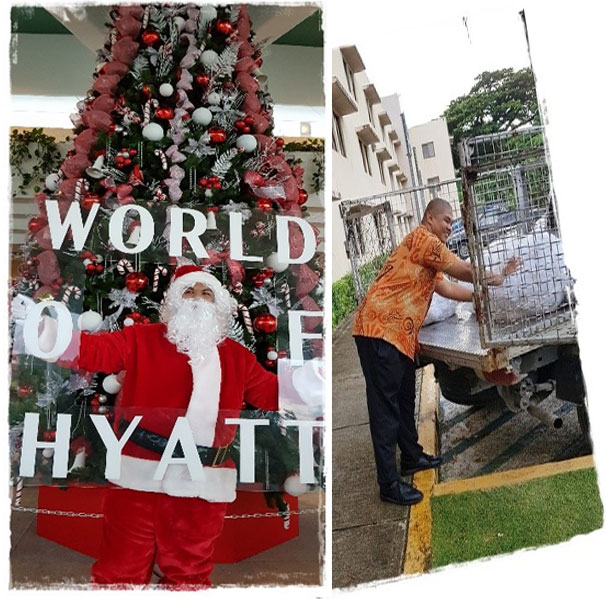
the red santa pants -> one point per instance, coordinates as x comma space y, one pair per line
140, 528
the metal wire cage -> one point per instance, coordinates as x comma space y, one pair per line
376, 225
510, 211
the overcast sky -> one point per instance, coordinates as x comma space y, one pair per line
426, 53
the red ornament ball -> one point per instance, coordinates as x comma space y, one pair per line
265, 323
224, 27
165, 113
147, 90
136, 281
265, 204
24, 391
89, 200
150, 37
302, 197
36, 224
48, 435
217, 135
202, 80
249, 120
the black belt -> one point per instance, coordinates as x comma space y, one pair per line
209, 456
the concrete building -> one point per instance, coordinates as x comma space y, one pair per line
433, 157
367, 154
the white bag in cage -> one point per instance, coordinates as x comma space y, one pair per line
540, 284
442, 308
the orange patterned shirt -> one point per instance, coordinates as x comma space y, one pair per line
397, 302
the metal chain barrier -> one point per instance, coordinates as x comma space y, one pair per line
18, 508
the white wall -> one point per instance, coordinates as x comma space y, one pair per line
441, 164
349, 179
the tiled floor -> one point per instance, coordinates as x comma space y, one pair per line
39, 563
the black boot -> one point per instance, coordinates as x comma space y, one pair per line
400, 494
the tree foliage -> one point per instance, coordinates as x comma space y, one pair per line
501, 100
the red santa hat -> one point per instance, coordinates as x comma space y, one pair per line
190, 274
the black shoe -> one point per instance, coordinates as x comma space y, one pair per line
425, 462
400, 494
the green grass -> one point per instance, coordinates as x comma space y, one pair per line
344, 292
539, 512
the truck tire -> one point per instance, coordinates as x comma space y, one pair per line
456, 386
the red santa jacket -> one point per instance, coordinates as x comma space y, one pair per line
160, 384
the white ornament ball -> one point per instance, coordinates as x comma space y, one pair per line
48, 452
294, 486
102, 399
111, 384
52, 182
129, 322
247, 142
180, 23
272, 355
209, 58
90, 321
274, 263
202, 116
209, 13
153, 132
214, 98
166, 90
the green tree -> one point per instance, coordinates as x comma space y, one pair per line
501, 100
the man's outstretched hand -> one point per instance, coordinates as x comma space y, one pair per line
513, 264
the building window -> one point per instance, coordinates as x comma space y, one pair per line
428, 150
338, 142
370, 114
434, 186
365, 157
381, 173
349, 75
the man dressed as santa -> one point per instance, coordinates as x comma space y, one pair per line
183, 366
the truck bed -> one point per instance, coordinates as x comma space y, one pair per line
457, 342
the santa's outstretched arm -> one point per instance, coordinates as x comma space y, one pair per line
103, 352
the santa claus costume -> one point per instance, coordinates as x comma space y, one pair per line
175, 521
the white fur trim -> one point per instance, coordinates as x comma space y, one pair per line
219, 484
203, 409
199, 276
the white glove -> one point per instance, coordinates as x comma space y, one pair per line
21, 307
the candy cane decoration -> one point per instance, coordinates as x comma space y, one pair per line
81, 184
159, 270
247, 318
130, 115
147, 110
19, 490
145, 19
71, 289
124, 266
285, 289
162, 155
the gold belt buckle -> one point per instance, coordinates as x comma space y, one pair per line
220, 455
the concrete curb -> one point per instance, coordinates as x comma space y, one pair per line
417, 558
512, 477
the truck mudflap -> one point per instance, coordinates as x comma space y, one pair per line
502, 376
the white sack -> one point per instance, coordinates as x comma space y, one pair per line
538, 287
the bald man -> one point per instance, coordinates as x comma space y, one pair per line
385, 329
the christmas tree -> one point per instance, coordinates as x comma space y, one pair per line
177, 116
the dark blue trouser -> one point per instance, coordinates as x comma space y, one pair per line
390, 396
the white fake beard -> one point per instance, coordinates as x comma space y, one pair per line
195, 328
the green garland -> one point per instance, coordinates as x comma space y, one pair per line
25, 145
316, 146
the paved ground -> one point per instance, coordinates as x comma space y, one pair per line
476, 441
39, 563
369, 536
